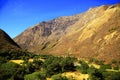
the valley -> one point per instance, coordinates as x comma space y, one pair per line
94, 33
84, 46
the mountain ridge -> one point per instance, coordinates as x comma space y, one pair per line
94, 33
6, 43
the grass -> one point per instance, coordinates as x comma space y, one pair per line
17, 61
76, 75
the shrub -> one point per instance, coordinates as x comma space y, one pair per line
113, 61
111, 75
105, 66
83, 68
35, 76
93, 60
54, 65
96, 75
8, 70
59, 77
91, 70
112, 30
116, 67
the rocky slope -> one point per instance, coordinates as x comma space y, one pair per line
95, 33
46, 32
6, 43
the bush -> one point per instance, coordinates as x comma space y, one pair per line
35, 76
83, 68
116, 67
59, 77
105, 66
55, 65
91, 70
96, 75
111, 75
2, 60
8, 70
93, 60
113, 61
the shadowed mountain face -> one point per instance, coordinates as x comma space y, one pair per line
95, 33
6, 43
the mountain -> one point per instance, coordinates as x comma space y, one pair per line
92, 34
6, 43
45, 33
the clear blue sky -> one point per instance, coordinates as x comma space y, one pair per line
18, 15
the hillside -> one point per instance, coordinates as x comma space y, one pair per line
45, 32
99, 38
6, 43
92, 34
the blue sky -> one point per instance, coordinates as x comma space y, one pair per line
18, 15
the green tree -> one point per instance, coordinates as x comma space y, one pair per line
96, 75
59, 77
35, 76
83, 68
8, 70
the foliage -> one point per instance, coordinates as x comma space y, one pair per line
16, 55
113, 61
44, 66
2, 60
96, 75
116, 67
8, 70
91, 70
54, 65
93, 60
35, 76
59, 77
112, 30
111, 75
83, 68
104, 67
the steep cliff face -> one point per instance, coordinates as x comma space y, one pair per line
95, 33
6, 43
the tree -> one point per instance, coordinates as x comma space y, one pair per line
59, 77
96, 75
111, 75
35, 76
84, 67
8, 70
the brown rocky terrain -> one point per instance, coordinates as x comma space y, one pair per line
6, 43
92, 34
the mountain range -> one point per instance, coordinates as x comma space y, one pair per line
92, 34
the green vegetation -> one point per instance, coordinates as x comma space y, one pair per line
55, 65
35, 76
93, 60
42, 67
59, 77
83, 67
112, 30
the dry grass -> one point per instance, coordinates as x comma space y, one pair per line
95, 65
76, 75
17, 61
21, 61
